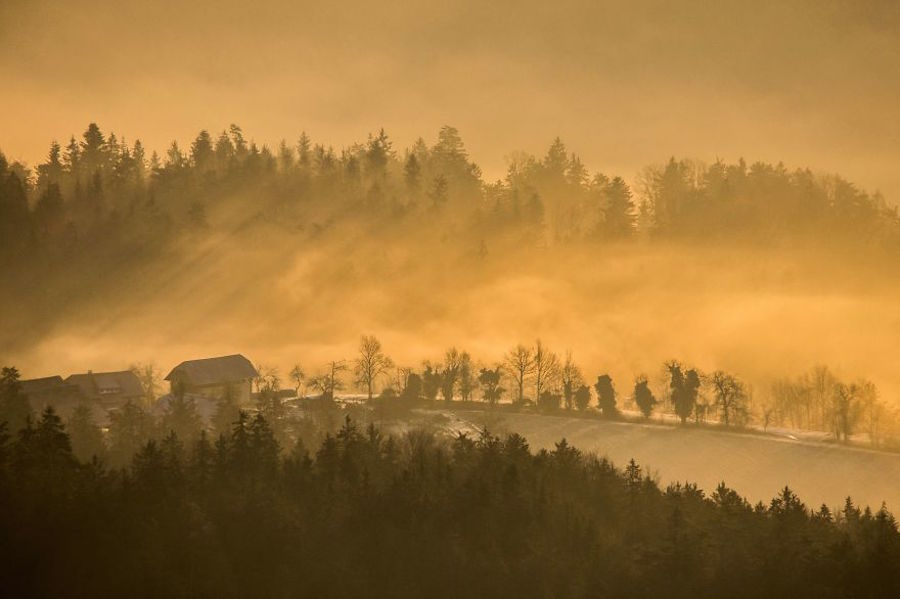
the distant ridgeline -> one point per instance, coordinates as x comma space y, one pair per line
102, 191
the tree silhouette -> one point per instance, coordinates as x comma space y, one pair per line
85, 435
643, 396
489, 379
519, 363
546, 369
582, 397
180, 417
298, 376
431, 381
572, 379
330, 382
413, 388
14, 407
371, 363
149, 376
449, 375
548, 401
467, 380
847, 410
606, 396
684, 388
730, 396
227, 411
130, 427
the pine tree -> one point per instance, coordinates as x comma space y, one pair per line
86, 436
50, 172
15, 410
304, 155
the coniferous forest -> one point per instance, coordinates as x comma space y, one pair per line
100, 191
369, 514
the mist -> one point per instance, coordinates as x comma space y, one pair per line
626, 310
390, 299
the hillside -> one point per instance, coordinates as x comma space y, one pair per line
110, 259
756, 466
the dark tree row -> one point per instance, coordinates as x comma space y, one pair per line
368, 515
101, 184
537, 376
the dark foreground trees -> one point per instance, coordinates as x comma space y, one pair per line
368, 515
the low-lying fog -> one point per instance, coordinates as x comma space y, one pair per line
285, 297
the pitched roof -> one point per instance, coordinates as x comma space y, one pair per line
41, 385
123, 383
85, 382
215, 371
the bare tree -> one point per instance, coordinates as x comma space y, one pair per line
572, 379
330, 382
546, 369
847, 410
453, 362
788, 400
260, 377
402, 378
519, 363
768, 411
467, 379
822, 385
297, 377
149, 375
371, 363
731, 396
267, 378
874, 412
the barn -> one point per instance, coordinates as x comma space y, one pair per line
213, 377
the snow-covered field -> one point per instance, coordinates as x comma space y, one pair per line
757, 466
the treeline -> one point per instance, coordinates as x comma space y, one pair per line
369, 515
529, 378
536, 376
818, 400
100, 189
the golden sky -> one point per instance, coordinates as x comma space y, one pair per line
624, 84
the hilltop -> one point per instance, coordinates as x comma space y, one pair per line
755, 465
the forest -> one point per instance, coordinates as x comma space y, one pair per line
369, 514
99, 189
303, 404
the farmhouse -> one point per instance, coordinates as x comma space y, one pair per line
213, 377
109, 389
51, 391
